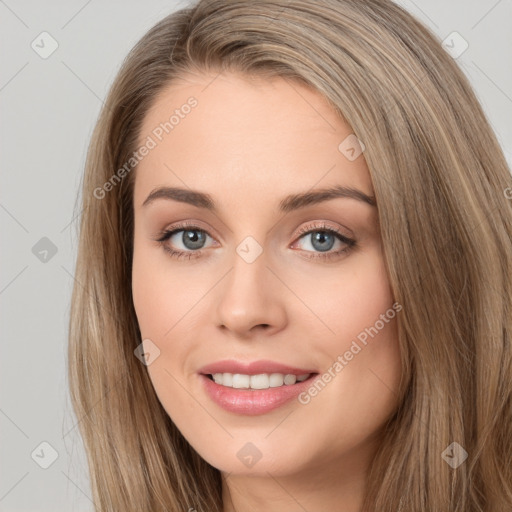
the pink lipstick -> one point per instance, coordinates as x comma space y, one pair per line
253, 388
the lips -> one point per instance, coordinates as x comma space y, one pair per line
252, 368
253, 401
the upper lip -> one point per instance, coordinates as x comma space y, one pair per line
251, 368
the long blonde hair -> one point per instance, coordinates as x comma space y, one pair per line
439, 177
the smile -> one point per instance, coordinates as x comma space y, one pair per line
260, 381
235, 392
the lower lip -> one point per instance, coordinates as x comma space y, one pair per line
253, 401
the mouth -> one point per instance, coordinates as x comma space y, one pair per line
257, 394
254, 387
259, 381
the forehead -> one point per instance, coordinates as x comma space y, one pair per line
233, 136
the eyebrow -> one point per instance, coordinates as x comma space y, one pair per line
287, 204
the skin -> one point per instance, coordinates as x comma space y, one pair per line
248, 144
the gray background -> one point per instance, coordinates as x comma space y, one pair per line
49, 107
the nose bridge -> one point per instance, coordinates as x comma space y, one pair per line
247, 298
249, 266
249, 250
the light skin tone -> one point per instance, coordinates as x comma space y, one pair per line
249, 144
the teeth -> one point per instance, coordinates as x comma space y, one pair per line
226, 379
290, 379
260, 381
276, 380
240, 381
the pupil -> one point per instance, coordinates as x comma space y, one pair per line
193, 239
322, 236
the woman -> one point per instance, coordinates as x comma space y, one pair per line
293, 283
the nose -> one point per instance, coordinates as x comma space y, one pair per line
250, 299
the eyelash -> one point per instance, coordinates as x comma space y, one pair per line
166, 234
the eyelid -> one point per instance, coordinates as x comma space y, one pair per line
322, 225
183, 226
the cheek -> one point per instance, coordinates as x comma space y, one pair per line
158, 294
357, 334
365, 345
160, 302
349, 299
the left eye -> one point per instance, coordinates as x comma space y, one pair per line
321, 240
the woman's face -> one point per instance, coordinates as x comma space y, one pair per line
264, 278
